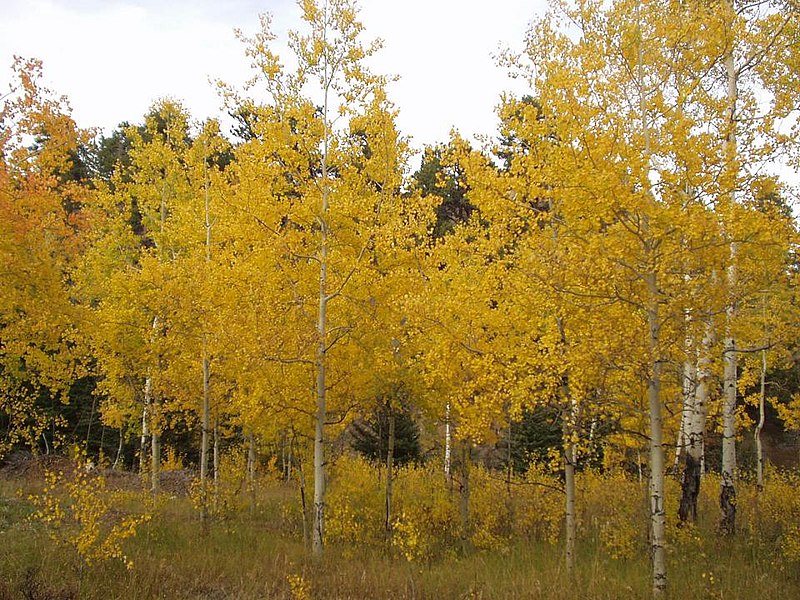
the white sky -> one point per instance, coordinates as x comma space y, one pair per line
113, 58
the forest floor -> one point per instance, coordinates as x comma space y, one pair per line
249, 554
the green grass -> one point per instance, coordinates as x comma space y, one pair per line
252, 556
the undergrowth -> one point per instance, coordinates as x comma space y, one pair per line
511, 546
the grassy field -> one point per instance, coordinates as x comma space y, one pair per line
254, 554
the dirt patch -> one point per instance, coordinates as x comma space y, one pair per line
23, 465
20, 465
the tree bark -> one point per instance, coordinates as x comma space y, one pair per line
693, 466
687, 409
657, 511
447, 442
727, 496
148, 384
760, 425
155, 456
303, 502
322, 343
657, 458
118, 457
216, 461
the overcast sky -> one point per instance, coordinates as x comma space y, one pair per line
113, 58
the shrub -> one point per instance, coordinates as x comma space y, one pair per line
81, 513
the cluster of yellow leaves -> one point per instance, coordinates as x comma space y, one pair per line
171, 460
81, 513
774, 513
225, 495
427, 521
299, 587
612, 505
408, 540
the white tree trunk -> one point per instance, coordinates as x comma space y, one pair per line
727, 499
657, 510
148, 386
688, 403
118, 458
206, 405
760, 426
570, 520
204, 441
150, 425
658, 519
155, 456
318, 529
728, 486
447, 442
693, 467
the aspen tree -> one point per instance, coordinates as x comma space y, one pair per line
131, 268
43, 218
600, 90
752, 38
332, 226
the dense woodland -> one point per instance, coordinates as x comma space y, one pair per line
606, 291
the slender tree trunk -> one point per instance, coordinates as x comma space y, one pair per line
216, 464
155, 418
692, 472
204, 442
510, 507
303, 502
466, 533
206, 363
760, 426
284, 454
251, 471
155, 455
118, 457
687, 408
389, 474
154, 421
89, 426
291, 458
569, 434
727, 497
101, 450
509, 455
216, 454
447, 442
639, 472
148, 386
657, 457
319, 432
657, 511
322, 343
569, 513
